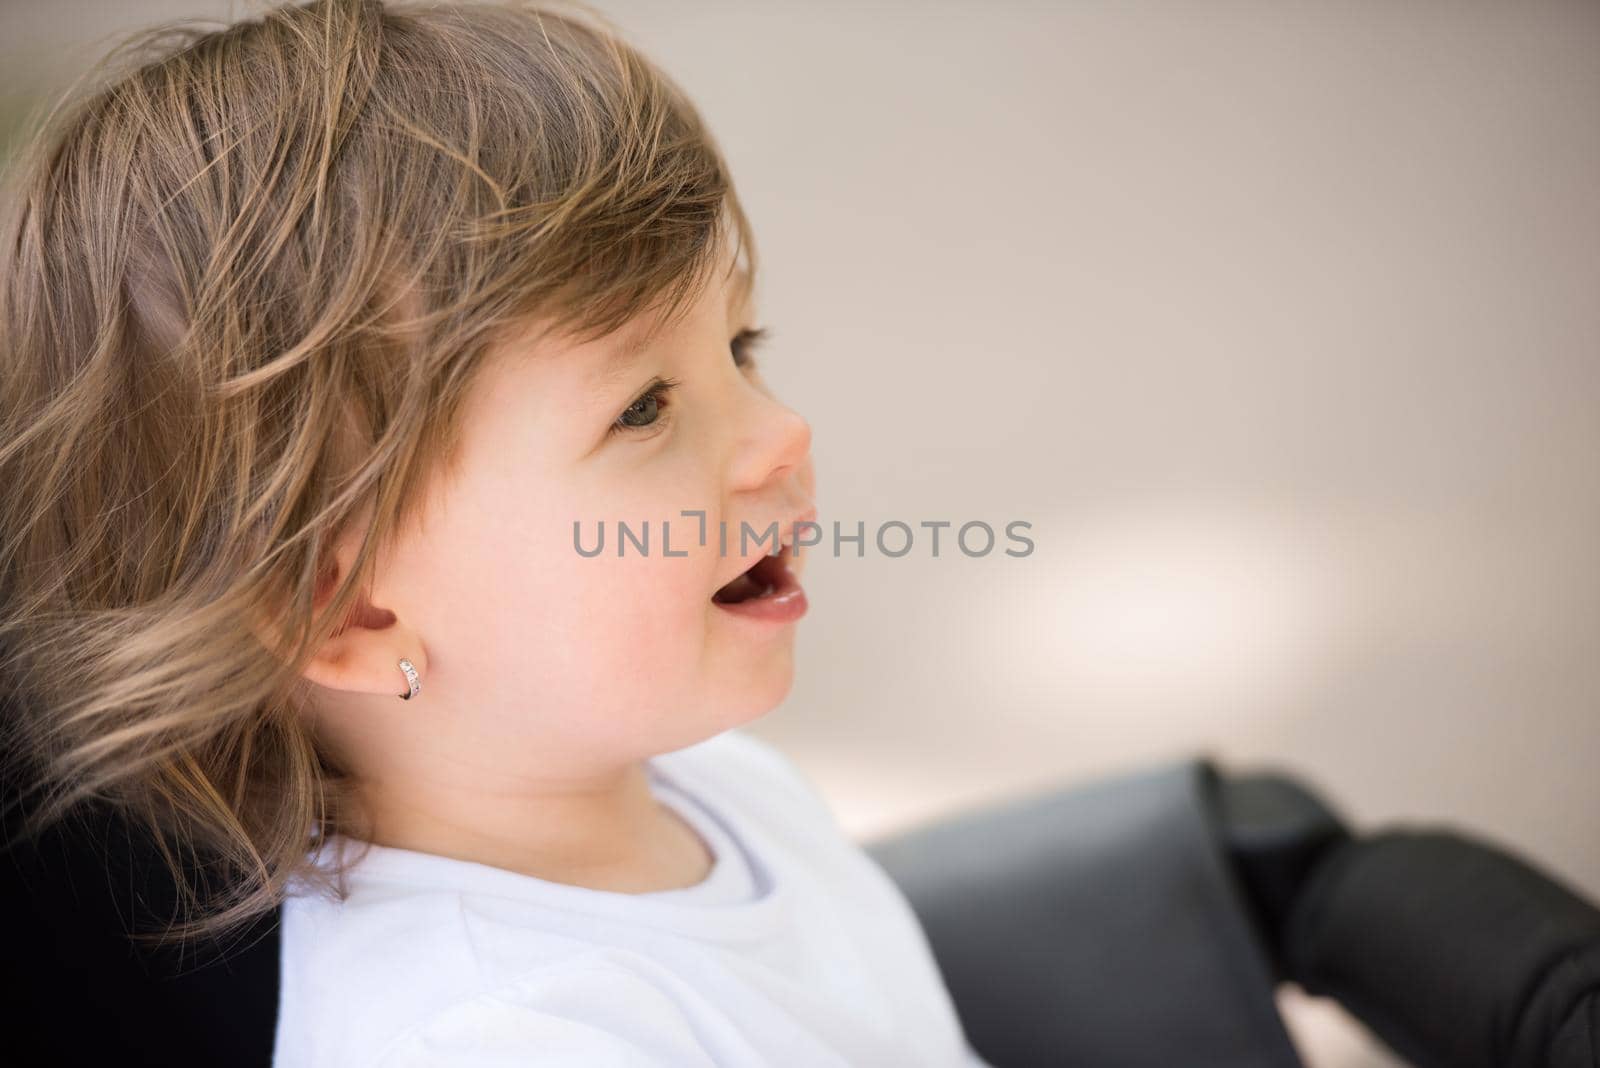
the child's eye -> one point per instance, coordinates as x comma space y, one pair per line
744, 343
647, 411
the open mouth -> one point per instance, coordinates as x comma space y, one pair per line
768, 590
762, 579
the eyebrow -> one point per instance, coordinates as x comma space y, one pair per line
621, 356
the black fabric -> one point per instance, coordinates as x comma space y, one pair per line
82, 993
1276, 831
1100, 925
1458, 954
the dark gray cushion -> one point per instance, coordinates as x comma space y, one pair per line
1098, 925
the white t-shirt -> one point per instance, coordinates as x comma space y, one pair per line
797, 951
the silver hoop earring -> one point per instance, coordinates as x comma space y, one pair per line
413, 680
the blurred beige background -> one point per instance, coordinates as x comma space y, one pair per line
1280, 322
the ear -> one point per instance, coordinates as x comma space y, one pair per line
364, 654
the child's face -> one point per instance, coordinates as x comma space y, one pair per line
535, 651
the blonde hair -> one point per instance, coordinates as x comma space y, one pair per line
248, 274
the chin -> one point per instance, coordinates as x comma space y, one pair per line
754, 696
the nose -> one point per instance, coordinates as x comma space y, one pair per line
774, 440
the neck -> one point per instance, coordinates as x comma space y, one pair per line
605, 831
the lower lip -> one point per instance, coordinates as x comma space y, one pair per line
784, 603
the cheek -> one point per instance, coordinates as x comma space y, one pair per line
522, 619
625, 630
634, 606
626, 638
